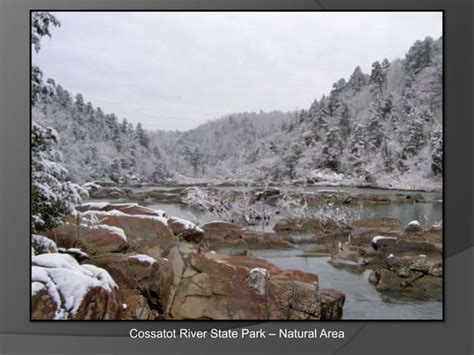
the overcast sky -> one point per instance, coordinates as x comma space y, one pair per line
176, 70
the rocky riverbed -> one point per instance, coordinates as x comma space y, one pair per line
164, 267
126, 261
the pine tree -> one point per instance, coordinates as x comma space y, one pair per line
52, 195
376, 134
418, 56
40, 27
357, 80
332, 150
291, 159
344, 122
415, 137
142, 136
437, 151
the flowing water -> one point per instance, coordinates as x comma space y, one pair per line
363, 301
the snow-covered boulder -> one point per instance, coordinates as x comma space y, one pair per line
145, 233
92, 239
244, 287
63, 289
380, 239
186, 230
128, 208
413, 227
139, 274
42, 245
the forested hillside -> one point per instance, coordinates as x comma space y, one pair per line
382, 128
96, 145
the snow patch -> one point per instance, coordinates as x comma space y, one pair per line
376, 239
143, 258
115, 230
66, 281
187, 225
43, 244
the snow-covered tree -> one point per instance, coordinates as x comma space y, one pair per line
437, 151
332, 150
53, 196
416, 137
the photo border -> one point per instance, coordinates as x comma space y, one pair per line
254, 321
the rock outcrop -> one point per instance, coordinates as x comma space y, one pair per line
332, 303
419, 276
92, 239
63, 289
141, 264
226, 234
217, 286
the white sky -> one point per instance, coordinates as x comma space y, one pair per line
175, 70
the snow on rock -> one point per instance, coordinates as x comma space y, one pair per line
186, 230
43, 245
142, 258
378, 238
258, 280
96, 206
127, 208
186, 225
91, 213
99, 215
76, 253
114, 230
64, 289
413, 226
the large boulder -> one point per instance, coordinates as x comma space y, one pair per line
139, 275
216, 286
146, 234
419, 276
93, 239
63, 289
127, 208
363, 231
108, 193
332, 303
185, 230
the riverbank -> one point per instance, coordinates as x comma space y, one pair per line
393, 269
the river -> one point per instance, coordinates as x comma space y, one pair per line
363, 301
